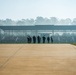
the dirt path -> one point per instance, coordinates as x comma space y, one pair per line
37, 59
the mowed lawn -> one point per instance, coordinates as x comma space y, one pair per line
37, 59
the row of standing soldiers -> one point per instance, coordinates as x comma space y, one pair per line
38, 38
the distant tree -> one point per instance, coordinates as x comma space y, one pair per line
47, 21
68, 21
39, 21
74, 21
20, 23
8, 22
32, 21
62, 22
29, 22
54, 20
25, 22
1, 23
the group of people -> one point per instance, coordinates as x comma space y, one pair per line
35, 39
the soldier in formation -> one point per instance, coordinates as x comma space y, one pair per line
34, 39
29, 39
48, 39
39, 39
44, 38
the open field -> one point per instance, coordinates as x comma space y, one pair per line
37, 59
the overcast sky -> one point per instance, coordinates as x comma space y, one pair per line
18, 9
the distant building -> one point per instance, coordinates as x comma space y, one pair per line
19, 33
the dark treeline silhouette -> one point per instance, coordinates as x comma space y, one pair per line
39, 21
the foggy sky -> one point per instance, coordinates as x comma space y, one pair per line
18, 9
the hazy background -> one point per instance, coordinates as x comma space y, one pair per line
33, 12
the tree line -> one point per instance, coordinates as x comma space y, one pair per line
38, 21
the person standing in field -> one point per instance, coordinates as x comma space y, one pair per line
44, 38
39, 39
51, 39
29, 40
34, 39
48, 39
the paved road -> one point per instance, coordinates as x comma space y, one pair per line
37, 59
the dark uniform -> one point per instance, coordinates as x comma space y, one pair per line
44, 38
34, 39
39, 39
29, 39
48, 39
51, 39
